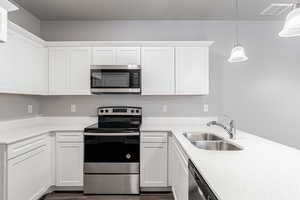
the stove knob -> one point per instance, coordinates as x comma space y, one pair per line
128, 156
132, 111
106, 111
101, 111
137, 111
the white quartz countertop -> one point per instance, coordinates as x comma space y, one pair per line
17, 130
263, 170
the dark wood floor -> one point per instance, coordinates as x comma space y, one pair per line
80, 196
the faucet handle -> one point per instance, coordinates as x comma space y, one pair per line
233, 128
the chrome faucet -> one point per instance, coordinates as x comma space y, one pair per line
231, 130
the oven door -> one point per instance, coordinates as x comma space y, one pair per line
115, 79
110, 153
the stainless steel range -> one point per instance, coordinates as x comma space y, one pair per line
112, 152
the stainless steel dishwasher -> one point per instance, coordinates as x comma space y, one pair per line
198, 188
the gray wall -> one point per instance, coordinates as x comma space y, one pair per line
261, 94
152, 106
26, 20
15, 106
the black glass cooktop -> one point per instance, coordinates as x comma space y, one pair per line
121, 128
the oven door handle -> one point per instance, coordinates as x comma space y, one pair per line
112, 134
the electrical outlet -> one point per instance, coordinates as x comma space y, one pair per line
165, 108
205, 107
29, 108
73, 108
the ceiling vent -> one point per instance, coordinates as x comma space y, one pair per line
276, 9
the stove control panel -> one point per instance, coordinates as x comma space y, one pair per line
119, 110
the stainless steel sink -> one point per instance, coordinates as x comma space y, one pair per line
194, 137
216, 145
211, 142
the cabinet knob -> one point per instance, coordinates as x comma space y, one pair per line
128, 156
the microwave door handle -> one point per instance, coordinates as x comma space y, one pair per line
97, 76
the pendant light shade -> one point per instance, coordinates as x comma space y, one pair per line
292, 23
237, 54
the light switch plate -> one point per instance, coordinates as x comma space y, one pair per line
73, 108
29, 108
205, 107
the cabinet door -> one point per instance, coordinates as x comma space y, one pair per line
154, 162
3, 25
7, 65
104, 56
59, 70
192, 74
158, 77
28, 74
180, 176
29, 175
80, 61
128, 56
69, 164
42, 81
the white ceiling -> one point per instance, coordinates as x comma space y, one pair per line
148, 9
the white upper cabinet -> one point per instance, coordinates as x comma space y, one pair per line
23, 66
80, 61
59, 70
5, 6
158, 71
3, 25
69, 69
116, 56
192, 70
103, 55
128, 56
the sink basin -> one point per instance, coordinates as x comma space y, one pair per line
194, 137
216, 145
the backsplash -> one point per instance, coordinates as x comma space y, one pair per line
154, 106
16, 106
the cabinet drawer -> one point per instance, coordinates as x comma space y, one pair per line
69, 137
154, 137
25, 146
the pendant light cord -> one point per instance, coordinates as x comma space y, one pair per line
237, 25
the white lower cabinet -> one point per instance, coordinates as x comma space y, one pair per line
69, 159
179, 172
154, 159
29, 174
35, 164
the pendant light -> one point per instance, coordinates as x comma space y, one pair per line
292, 23
238, 52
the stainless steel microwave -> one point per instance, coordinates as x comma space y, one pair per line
116, 79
